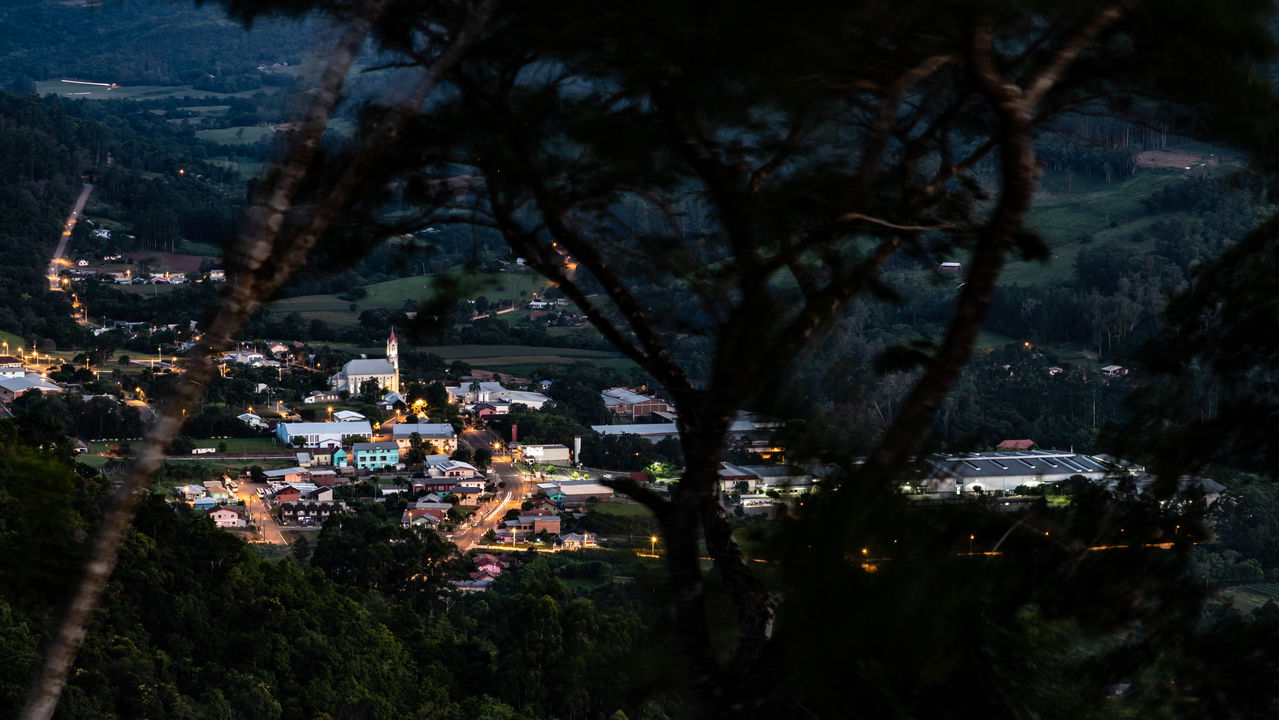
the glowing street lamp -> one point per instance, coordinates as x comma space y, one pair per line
652, 544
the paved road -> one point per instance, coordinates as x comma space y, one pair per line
55, 264
268, 528
511, 496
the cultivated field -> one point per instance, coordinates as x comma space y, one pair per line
76, 91
392, 294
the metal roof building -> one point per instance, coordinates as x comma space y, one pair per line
971, 472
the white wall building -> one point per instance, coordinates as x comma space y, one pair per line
328, 434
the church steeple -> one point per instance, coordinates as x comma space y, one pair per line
393, 355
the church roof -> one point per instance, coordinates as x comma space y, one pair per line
371, 366
392, 338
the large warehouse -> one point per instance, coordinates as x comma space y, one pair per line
986, 472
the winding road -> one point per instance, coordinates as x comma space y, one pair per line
60, 251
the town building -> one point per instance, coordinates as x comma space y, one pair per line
532, 522
546, 454
628, 405
375, 455
229, 516
384, 371
578, 541
438, 435
12, 367
574, 492
12, 388
323, 433
469, 392
1005, 471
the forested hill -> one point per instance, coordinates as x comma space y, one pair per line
196, 625
142, 42
47, 148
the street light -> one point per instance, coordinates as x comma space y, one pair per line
652, 545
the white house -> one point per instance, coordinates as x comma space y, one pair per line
440, 435
227, 516
348, 416
250, 419
327, 434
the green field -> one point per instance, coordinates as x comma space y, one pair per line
622, 509
523, 359
392, 295
242, 445
245, 169
1105, 211
137, 92
244, 135
1246, 598
14, 341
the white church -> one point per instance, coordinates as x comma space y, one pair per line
386, 372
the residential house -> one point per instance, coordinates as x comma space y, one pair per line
216, 490
320, 455
250, 419
244, 357
1114, 371
387, 489
331, 434
491, 409
467, 496
431, 484
532, 522
437, 435
441, 466
229, 516
578, 541
348, 416
322, 396
391, 402
307, 513
375, 455
341, 458
191, 492
424, 516
206, 503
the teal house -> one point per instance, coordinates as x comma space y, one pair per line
340, 458
375, 455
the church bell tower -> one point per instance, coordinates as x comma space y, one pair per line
393, 355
